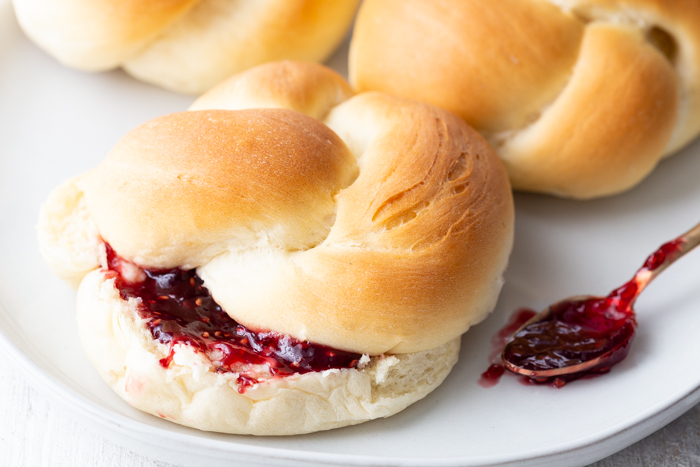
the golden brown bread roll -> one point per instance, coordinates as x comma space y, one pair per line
184, 45
580, 98
370, 225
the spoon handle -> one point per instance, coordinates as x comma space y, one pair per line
667, 255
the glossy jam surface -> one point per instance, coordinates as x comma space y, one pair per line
579, 331
575, 332
493, 374
178, 309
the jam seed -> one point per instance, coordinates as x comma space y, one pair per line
205, 319
218, 333
205, 334
163, 297
198, 302
156, 322
192, 281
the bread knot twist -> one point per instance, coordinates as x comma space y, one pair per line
184, 45
368, 223
580, 98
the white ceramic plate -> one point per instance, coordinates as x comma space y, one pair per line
56, 123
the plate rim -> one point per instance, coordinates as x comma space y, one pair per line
596, 446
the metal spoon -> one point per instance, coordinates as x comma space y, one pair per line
587, 334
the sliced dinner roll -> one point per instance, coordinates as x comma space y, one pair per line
367, 227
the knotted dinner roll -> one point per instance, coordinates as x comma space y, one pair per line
184, 45
580, 98
367, 224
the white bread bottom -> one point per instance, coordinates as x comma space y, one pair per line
190, 392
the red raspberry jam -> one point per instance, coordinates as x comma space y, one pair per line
493, 374
578, 331
178, 309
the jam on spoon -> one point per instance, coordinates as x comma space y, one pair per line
493, 374
587, 335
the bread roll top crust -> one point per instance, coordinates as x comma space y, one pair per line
96, 34
176, 189
581, 98
417, 250
497, 82
184, 45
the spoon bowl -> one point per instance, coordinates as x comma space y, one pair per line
557, 364
585, 335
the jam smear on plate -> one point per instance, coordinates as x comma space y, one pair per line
493, 374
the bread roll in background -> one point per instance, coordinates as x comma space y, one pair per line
366, 223
184, 45
580, 98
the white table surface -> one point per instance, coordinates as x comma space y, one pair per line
37, 432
